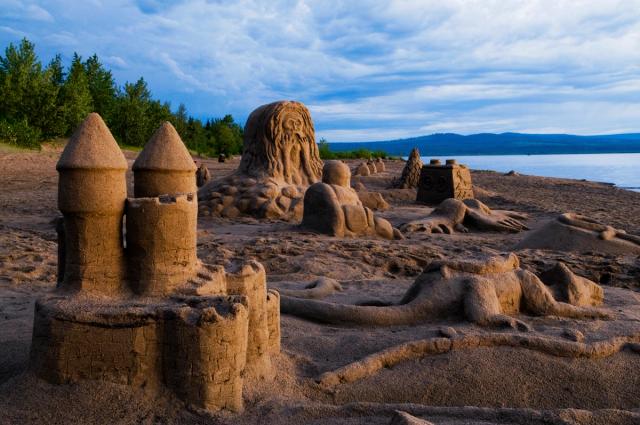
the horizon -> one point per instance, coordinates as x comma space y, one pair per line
394, 71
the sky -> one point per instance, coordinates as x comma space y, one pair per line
367, 70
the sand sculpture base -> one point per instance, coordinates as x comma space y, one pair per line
195, 347
241, 195
201, 347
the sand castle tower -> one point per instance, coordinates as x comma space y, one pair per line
143, 310
164, 166
91, 194
164, 187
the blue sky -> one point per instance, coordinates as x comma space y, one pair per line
367, 70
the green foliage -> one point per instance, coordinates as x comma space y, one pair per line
327, 153
75, 95
20, 133
49, 102
102, 88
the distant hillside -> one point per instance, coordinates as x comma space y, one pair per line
501, 144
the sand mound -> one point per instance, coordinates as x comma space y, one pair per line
576, 233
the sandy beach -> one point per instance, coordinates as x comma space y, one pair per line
482, 385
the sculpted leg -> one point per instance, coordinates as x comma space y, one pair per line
538, 300
482, 306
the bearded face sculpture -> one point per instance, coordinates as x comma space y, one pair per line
280, 159
280, 143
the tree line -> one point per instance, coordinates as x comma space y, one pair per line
39, 103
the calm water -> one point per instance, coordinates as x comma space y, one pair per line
621, 169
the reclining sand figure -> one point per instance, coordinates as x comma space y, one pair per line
486, 292
578, 233
332, 207
455, 215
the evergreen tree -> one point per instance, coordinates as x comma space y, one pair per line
181, 120
131, 122
102, 88
76, 97
28, 97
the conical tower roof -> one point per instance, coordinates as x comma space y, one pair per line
165, 151
92, 146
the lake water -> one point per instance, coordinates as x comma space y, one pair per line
621, 169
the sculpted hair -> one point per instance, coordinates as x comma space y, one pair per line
279, 142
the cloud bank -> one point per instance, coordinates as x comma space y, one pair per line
368, 70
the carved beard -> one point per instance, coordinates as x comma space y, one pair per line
293, 138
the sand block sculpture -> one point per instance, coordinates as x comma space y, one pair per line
332, 207
410, 177
380, 167
138, 307
279, 161
488, 292
439, 182
455, 215
577, 233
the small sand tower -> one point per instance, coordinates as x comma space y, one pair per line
164, 166
91, 195
165, 186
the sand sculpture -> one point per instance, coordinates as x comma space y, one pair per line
578, 233
403, 418
202, 175
362, 170
320, 288
487, 292
332, 207
372, 200
439, 182
370, 168
455, 215
139, 308
410, 176
279, 161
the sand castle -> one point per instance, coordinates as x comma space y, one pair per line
279, 161
439, 182
578, 233
410, 177
487, 292
138, 307
454, 215
332, 207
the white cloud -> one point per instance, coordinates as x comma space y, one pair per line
396, 67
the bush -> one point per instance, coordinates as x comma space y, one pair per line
20, 133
